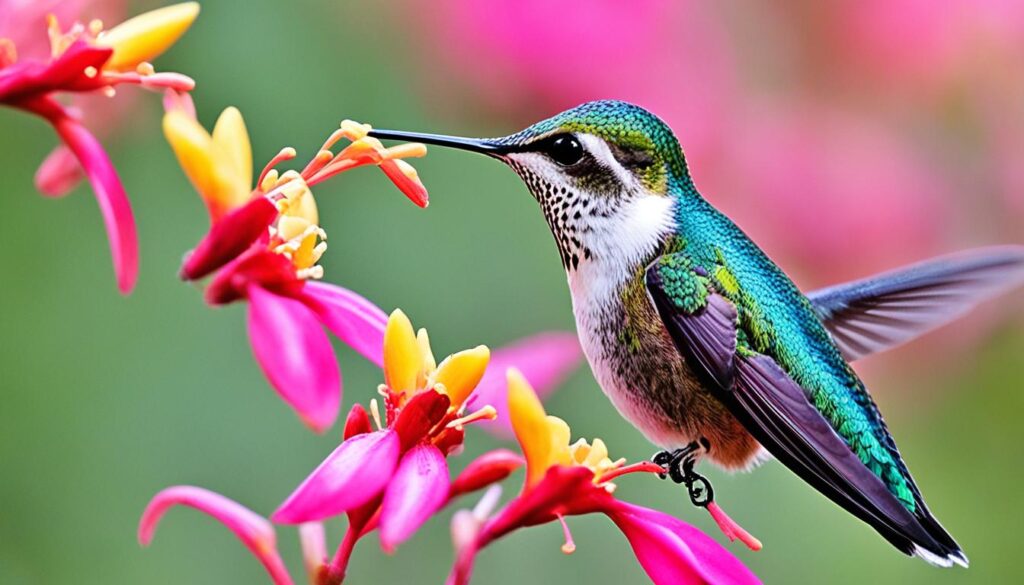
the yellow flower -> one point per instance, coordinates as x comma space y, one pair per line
219, 164
544, 439
146, 36
409, 364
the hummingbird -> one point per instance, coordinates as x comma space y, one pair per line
704, 344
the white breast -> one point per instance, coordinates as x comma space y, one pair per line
621, 244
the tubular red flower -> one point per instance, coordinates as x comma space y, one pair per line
351, 476
252, 529
79, 64
418, 490
296, 355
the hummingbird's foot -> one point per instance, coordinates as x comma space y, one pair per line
678, 465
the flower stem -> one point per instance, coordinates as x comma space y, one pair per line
339, 564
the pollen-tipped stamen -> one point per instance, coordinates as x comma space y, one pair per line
570, 546
486, 413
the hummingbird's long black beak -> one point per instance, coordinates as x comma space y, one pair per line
480, 145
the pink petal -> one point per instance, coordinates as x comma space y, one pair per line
352, 475
252, 529
355, 320
419, 488
113, 201
673, 552
546, 359
295, 354
59, 173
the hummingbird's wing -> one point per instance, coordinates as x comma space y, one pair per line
883, 311
778, 412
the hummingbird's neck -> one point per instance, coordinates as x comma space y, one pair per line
615, 245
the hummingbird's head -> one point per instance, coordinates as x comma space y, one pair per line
597, 171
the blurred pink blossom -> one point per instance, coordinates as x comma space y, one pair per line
831, 190
841, 136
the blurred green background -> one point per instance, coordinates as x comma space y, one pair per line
106, 399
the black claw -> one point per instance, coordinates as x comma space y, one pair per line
678, 465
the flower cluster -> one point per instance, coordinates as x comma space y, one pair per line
564, 479
390, 474
85, 58
264, 243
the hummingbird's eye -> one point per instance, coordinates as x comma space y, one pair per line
565, 150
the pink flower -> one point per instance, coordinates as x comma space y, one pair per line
565, 480
264, 244
531, 58
396, 477
830, 190
86, 59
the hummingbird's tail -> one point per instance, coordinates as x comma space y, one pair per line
945, 555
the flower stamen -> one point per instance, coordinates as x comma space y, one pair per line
375, 413
486, 413
570, 546
286, 153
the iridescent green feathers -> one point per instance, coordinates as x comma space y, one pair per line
624, 125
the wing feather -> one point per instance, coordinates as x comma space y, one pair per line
883, 311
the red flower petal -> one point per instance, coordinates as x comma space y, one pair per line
357, 422
355, 320
351, 476
412, 188
26, 80
296, 355
229, 237
491, 467
252, 529
418, 490
419, 415
673, 552
273, 272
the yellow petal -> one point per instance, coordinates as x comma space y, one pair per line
530, 423
560, 433
306, 255
403, 361
429, 364
193, 147
146, 36
232, 154
580, 449
291, 227
598, 453
462, 371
